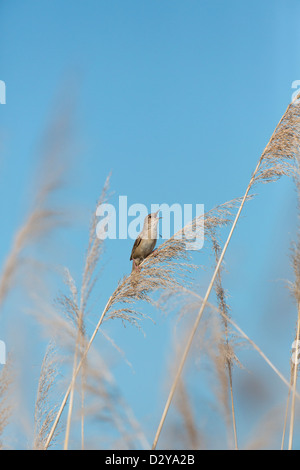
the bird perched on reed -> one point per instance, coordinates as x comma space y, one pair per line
146, 241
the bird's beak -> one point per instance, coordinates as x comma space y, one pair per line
156, 215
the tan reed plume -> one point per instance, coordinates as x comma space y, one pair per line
44, 411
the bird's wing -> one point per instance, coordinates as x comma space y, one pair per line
135, 245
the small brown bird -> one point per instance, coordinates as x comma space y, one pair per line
146, 241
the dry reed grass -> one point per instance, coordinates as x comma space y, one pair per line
168, 269
42, 220
44, 409
280, 158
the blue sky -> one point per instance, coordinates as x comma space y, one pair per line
177, 99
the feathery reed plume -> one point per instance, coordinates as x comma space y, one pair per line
6, 379
278, 159
281, 154
77, 306
163, 269
227, 356
44, 411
